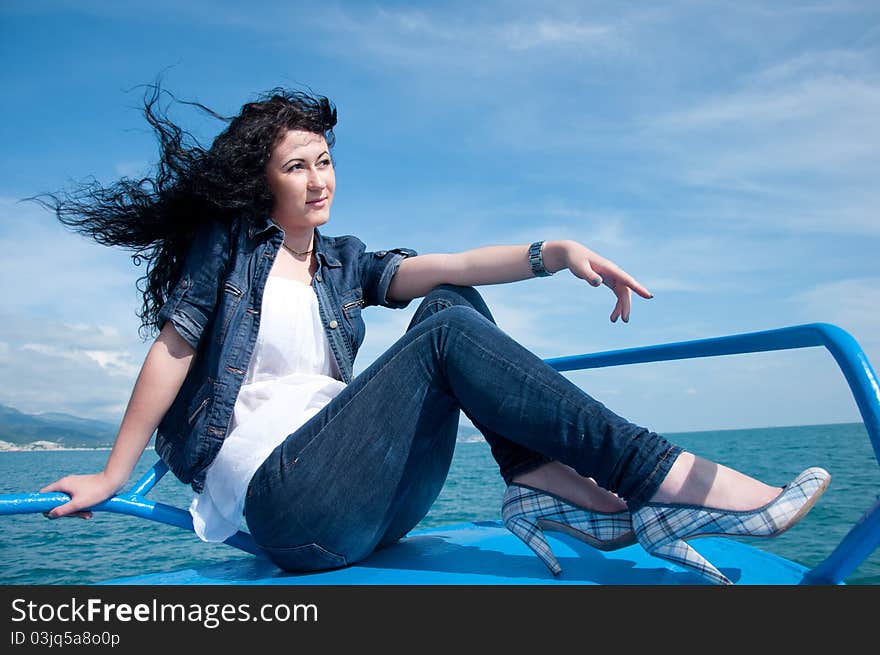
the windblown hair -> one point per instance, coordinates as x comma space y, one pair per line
156, 217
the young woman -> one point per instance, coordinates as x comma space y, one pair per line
249, 383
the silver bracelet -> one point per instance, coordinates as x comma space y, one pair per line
536, 260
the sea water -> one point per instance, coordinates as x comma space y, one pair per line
34, 550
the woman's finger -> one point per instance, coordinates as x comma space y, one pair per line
55, 486
615, 314
631, 282
616, 277
626, 304
582, 267
62, 510
80, 515
590, 275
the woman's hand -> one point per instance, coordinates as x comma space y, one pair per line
159, 381
595, 269
84, 491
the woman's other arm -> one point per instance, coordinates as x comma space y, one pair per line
158, 383
416, 276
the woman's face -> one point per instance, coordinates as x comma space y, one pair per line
301, 177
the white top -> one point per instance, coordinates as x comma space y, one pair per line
291, 376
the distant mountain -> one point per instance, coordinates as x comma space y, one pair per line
63, 429
68, 431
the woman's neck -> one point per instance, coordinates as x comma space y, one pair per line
298, 239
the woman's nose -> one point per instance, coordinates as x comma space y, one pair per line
316, 180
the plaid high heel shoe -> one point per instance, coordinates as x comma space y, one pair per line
528, 512
663, 529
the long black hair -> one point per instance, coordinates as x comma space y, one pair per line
157, 216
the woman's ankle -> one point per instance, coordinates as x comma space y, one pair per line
693, 480
563, 481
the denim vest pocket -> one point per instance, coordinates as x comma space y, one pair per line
232, 295
308, 557
351, 302
201, 400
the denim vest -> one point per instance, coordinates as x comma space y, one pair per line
215, 306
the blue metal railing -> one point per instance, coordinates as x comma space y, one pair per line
856, 545
864, 537
132, 503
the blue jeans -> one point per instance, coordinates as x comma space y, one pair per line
367, 468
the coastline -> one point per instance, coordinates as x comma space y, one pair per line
49, 446
467, 434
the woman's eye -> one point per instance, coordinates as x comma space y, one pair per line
325, 162
294, 167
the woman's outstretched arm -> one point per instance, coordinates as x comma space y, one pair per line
416, 276
158, 383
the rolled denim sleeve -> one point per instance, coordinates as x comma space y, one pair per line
193, 299
377, 270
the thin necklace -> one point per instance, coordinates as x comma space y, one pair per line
305, 252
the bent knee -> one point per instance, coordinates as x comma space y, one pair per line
462, 316
451, 295
453, 291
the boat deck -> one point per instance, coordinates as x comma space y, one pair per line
485, 553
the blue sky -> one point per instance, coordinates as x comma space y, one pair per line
724, 153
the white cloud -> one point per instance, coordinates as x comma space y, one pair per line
38, 378
115, 363
557, 33
800, 138
475, 39
53, 271
778, 106
50, 351
54, 365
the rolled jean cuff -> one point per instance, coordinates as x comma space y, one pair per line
650, 484
535, 460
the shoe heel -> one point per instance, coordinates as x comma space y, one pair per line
533, 537
681, 553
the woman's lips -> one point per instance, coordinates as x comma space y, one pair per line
320, 202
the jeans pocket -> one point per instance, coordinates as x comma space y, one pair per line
308, 557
